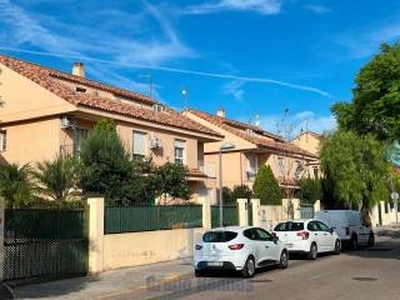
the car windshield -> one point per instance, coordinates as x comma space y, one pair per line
289, 226
219, 236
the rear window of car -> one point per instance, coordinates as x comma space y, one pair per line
289, 226
219, 236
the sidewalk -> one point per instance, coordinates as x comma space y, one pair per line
110, 283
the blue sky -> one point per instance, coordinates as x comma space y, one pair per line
255, 58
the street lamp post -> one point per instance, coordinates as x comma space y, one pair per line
224, 147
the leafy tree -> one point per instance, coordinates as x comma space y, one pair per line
227, 195
57, 179
107, 168
375, 107
171, 180
266, 187
355, 167
310, 190
16, 185
242, 191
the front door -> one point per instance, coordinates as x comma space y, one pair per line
327, 239
269, 247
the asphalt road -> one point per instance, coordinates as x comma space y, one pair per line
371, 273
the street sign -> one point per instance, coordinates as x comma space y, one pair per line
394, 196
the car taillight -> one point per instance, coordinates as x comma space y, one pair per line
198, 247
236, 246
347, 231
304, 235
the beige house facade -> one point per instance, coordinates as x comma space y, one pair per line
47, 112
310, 141
253, 148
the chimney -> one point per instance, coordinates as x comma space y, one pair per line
78, 69
221, 112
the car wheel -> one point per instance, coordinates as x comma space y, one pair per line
249, 268
371, 239
354, 242
313, 252
338, 247
284, 260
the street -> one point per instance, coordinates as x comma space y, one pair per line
370, 273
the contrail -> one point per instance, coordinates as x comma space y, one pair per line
176, 70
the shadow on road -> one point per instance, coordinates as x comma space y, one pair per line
53, 289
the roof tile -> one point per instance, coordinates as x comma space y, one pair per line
51, 80
264, 138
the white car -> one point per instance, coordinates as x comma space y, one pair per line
350, 226
308, 236
239, 248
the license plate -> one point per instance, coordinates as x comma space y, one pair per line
215, 263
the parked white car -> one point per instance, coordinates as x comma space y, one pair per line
350, 226
308, 236
239, 248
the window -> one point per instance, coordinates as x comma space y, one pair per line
262, 235
298, 170
289, 226
80, 136
3, 141
312, 226
219, 236
281, 166
252, 167
250, 234
322, 226
139, 144
180, 151
158, 108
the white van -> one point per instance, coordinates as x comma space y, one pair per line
349, 225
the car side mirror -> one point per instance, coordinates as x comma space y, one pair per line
275, 239
331, 230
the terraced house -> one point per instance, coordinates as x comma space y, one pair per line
47, 112
251, 148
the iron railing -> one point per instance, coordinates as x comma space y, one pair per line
145, 217
230, 216
44, 244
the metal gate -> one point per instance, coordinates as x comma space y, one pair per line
44, 244
230, 215
306, 211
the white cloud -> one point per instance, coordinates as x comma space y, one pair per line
318, 9
264, 7
234, 88
292, 125
24, 27
365, 41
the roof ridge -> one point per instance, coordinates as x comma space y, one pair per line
85, 81
42, 76
267, 133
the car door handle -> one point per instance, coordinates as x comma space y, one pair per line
325, 234
267, 247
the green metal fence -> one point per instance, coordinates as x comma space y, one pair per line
230, 215
118, 219
44, 244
